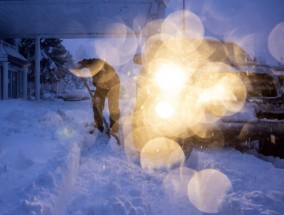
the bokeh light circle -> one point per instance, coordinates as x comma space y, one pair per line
161, 154
276, 42
176, 181
207, 189
183, 24
120, 50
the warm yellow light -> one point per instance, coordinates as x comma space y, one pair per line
85, 72
164, 109
206, 96
170, 77
161, 154
224, 94
216, 93
220, 92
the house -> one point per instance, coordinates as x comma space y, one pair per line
63, 19
13, 71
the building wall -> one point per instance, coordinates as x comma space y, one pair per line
16, 74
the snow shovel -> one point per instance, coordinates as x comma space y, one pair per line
108, 132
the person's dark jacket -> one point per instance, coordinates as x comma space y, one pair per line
104, 75
107, 84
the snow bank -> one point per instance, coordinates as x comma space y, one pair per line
39, 154
75, 95
49, 164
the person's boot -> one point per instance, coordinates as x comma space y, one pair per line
100, 127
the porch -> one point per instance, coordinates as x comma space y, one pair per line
13, 72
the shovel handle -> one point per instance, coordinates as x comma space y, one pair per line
100, 113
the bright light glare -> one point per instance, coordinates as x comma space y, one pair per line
206, 96
170, 77
164, 109
217, 93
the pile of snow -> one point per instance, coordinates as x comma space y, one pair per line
50, 164
75, 95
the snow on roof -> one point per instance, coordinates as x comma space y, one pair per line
10, 50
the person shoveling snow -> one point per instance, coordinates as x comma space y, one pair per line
107, 84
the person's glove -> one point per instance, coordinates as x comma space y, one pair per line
83, 63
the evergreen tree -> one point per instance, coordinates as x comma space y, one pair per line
54, 59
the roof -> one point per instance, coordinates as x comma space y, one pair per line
9, 52
74, 18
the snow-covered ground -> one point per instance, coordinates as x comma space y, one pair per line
50, 164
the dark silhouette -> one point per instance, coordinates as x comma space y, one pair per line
107, 84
